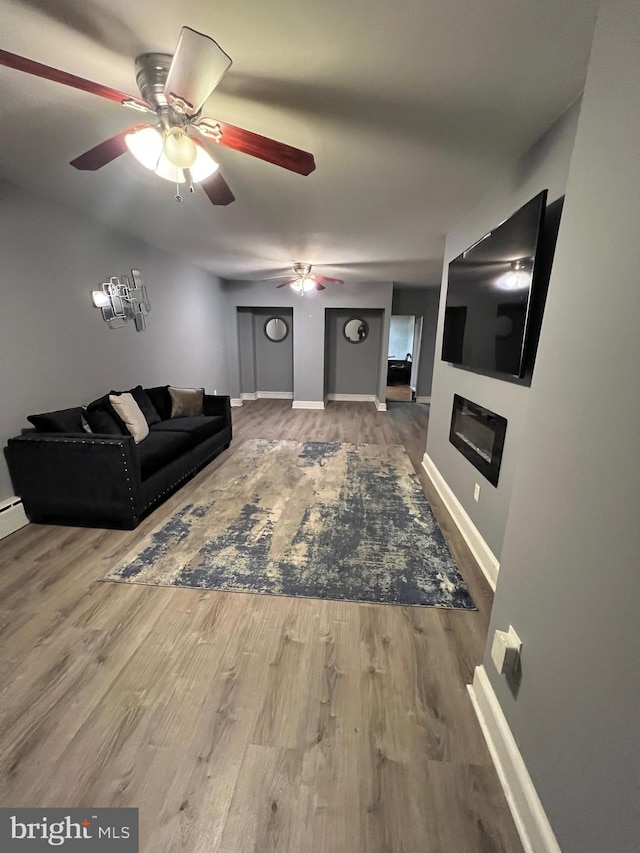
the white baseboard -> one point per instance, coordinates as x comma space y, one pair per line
528, 814
236, 401
352, 398
274, 395
423, 399
484, 556
12, 516
381, 407
246, 396
307, 404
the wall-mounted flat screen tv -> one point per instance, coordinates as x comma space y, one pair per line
489, 295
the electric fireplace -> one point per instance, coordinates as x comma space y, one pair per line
479, 434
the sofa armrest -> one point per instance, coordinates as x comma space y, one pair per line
76, 478
217, 405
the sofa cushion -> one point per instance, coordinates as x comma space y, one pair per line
160, 448
146, 406
160, 400
197, 428
130, 412
64, 420
186, 402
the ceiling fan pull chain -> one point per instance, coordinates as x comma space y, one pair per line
178, 196
191, 189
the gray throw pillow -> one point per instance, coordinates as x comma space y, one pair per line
186, 402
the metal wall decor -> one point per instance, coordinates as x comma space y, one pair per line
121, 301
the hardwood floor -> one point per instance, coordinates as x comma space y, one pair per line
239, 722
399, 394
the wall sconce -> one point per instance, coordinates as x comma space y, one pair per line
121, 302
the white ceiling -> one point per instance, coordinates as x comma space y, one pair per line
410, 107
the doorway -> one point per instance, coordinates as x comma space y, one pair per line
405, 340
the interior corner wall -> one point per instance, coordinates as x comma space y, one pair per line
308, 327
545, 165
570, 576
55, 349
421, 302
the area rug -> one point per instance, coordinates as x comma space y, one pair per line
312, 519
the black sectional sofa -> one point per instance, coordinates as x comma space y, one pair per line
66, 475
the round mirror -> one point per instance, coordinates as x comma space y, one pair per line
504, 326
356, 331
276, 329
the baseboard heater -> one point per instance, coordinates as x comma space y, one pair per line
12, 516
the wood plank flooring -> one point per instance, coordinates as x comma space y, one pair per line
399, 393
239, 722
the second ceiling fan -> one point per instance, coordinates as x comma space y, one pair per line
304, 280
174, 88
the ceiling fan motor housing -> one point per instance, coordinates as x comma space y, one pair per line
151, 76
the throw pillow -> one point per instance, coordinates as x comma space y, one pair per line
84, 421
146, 406
160, 400
127, 409
103, 418
64, 420
101, 422
186, 402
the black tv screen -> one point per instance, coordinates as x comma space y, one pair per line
489, 295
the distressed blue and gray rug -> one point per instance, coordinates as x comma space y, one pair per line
312, 519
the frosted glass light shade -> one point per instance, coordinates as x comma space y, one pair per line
146, 146
179, 148
303, 285
204, 165
168, 171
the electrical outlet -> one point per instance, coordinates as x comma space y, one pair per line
214, 392
476, 492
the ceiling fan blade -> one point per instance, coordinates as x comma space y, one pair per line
197, 67
330, 280
285, 283
104, 152
320, 286
262, 147
217, 189
29, 66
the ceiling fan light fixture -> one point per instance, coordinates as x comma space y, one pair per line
166, 169
204, 165
146, 146
303, 284
179, 148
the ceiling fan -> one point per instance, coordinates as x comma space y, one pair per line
303, 281
173, 89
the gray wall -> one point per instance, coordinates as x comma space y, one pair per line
546, 165
55, 350
570, 576
422, 302
352, 368
274, 359
246, 351
309, 327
